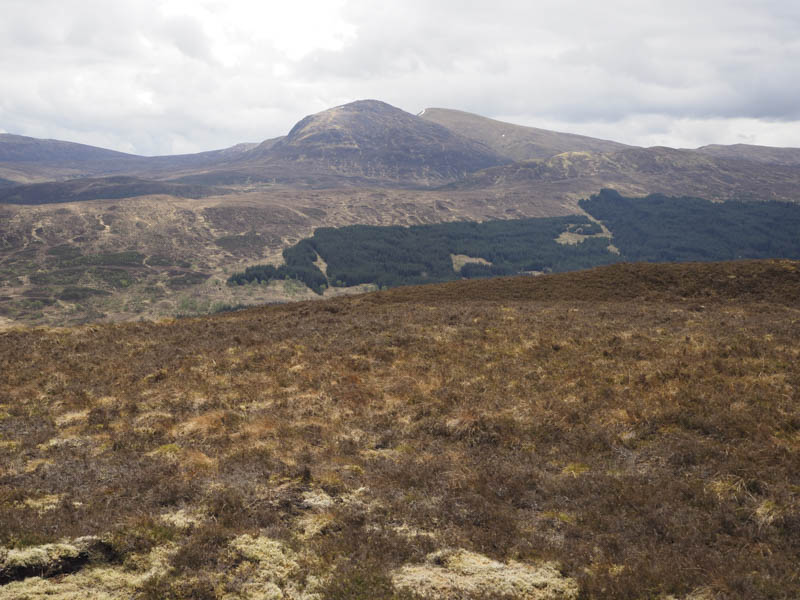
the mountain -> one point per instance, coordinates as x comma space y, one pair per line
762, 154
515, 141
89, 188
19, 148
641, 171
26, 160
370, 141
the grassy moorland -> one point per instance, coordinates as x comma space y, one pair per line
190, 247
627, 432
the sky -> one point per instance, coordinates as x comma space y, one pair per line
176, 76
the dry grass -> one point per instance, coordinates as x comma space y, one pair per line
636, 425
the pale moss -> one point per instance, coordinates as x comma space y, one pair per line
68, 588
97, 583
766, 512
59, 443
8, 445
35, 463
560, 516
39, 556
107, 401
265, 550
167, 450
358, 498
312, 524
380, 453
569, 238
152, 420
452, 574
698, 594
575, 469
411, 533
72, 418
43, 503
727, 487
269, 571
182, 519
317, 499
353, 469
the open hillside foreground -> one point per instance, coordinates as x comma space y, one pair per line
627, 432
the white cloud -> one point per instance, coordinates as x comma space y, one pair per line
162, 76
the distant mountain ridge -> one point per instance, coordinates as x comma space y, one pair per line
765, 154
516, 141
88, 188
20, 148
25, 160
369, 143
642, 171
372, 140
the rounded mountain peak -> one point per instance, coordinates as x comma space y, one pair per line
375, 140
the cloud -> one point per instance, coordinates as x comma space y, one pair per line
164, 76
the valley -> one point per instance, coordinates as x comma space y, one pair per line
190, 247
69, 212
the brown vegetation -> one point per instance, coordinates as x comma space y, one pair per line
637, 426
182, 243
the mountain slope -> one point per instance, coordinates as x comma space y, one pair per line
369, 140
19, 148
372, 144
642, 171
515, 141
30, 160
765, 154
90, 188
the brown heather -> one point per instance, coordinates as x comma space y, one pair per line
638, 426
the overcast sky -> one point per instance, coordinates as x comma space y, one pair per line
171, 76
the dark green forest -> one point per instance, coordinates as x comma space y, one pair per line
663, 229
653, 229
391, 256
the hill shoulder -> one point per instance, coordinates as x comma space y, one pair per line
516, 141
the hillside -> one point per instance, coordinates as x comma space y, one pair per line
18, 148
89, 188
762, 154
189, 246
25, 160
159, 256
626, 432
516, 141
374, 141
651, 229
642, 171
